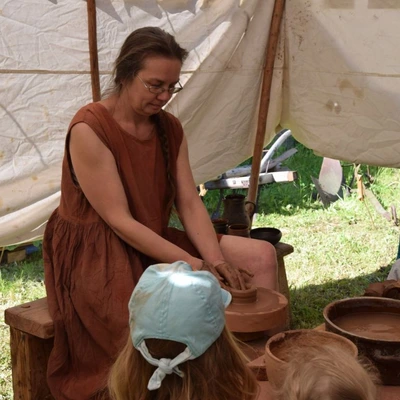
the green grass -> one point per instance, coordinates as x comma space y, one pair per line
339, 250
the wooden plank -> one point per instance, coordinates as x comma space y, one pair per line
243, 182
246, 170
32, 318
29, 356
14, 256
283, 249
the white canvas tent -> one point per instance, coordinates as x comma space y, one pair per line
336, 84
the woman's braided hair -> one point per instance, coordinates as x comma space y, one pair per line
160, 121
140, 44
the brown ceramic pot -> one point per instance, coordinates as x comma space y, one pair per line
220, 225
272, 235
373, 324
239, 230
279, 347
237, 210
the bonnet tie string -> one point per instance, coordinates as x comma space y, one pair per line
165, 366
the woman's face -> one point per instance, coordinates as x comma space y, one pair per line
157, 72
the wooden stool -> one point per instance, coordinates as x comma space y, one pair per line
32, 337
31, 340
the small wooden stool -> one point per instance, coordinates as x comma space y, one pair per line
31, 340
32, 337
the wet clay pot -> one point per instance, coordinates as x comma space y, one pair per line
237, 210
255, 312
373, 324
280, 346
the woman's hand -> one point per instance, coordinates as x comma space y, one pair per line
196, 263
228, 276
232, 276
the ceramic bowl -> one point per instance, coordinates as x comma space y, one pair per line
272, 235
279, 347
373, 324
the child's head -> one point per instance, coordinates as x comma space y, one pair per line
179, 347
327, 373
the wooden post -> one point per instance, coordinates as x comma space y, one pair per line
265, 97
29, 355
94, 60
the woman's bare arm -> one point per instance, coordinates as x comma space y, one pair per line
97, 174
197, 222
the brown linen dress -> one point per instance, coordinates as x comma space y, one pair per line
89, 271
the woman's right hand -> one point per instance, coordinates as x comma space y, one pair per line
200, 265
196, 263
228, 276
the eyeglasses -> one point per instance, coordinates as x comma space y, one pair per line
160, 89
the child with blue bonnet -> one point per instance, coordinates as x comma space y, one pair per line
179, 347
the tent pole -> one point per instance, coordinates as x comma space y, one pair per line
94, 61
270, 53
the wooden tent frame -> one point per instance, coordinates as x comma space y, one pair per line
270, 54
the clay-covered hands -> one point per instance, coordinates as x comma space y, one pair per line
228, 276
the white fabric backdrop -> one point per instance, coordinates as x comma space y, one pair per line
336, 84
342, 78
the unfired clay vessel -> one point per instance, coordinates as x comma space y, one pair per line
254, 312
373, 324
280, 346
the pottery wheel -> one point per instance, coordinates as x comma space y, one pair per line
266, 312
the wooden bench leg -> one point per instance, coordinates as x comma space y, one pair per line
29, 356
283, 287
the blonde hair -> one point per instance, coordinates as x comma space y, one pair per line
219, 374
327, 373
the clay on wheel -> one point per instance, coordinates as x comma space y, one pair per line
254, 312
